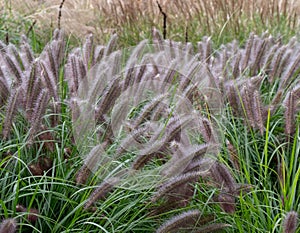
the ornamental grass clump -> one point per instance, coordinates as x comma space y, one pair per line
148, 118
30, 84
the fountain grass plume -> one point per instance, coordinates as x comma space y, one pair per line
4, 89
38, 113
190, 221
188, 218
290, 114
290, 222
100, 192
8, 226
223, 177
11, 110
175, 183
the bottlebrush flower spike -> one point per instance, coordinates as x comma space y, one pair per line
49, 80
289, 114
290, 222
190, 221
233, 98
111, 93
187, 158
147, 110
207, 131
199, 165
284, 63
276, 102
183, 220
205, 49
4, 90
38, 113
259, 51
157, 36
291, 71
175, 127
141, 70
259, 112
26, 53
11, 109
223, 177
58, 34
247, 97
99, 193
111, 45
8, 226
278, 57
248, 48
236, 66
32, 88
92, 161
98, 53
50, 61
14, 69
82, 175
75, 71
176, 182
224, 64
227, 202
270, 54
146, 154
88, 52
3, 48
53, 54
129, 77
14, 54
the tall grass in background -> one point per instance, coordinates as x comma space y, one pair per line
133, 19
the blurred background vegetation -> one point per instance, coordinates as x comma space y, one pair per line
133, 20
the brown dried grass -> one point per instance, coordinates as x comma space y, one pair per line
102, 17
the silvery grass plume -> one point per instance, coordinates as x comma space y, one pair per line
290, 223
8, 226
261, 54
101, 191
223, 177
11, 109
172, 189
29, 84
229, 190
51, 60
225, 181
245, 99
80, 61
290, 104
4, 89
190, 221
205, 49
